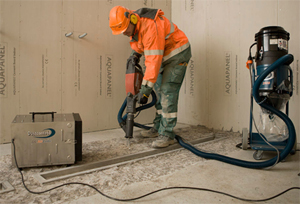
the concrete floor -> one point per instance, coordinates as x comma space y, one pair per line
240, 182
209, 174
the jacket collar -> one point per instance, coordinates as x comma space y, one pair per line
135, 36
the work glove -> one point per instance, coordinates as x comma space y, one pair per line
134, 58
144, 94
142, 99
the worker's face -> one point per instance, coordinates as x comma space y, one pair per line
130, 30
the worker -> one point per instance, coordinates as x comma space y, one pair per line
167, 52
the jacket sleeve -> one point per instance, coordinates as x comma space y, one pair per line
154, 43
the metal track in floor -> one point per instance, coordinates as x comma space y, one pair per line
54, 175
5, 187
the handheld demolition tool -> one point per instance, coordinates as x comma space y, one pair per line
133, 82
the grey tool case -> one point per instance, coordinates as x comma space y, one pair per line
46, 139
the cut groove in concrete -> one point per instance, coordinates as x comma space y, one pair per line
50, 176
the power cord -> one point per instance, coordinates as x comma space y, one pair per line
148, 194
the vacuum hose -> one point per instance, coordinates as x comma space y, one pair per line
287, 59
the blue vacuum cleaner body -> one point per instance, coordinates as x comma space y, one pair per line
272, 86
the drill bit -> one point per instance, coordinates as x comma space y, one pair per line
128, 142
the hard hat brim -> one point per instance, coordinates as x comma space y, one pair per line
118, 32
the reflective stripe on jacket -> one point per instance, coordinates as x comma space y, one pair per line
158, 39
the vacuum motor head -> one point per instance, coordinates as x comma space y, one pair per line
272, 44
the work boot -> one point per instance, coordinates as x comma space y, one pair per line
149, 133
163, 141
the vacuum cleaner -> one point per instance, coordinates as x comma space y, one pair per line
271, 87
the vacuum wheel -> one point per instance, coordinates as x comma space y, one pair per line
258, 154
245, 138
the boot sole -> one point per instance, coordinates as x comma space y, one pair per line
162, 146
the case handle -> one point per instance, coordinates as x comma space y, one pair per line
42, 113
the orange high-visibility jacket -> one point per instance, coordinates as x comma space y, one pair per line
158, 39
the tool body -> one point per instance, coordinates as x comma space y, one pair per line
131, 111
133, 82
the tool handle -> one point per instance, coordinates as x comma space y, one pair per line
42, 113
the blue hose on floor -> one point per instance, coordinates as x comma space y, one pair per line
287, 59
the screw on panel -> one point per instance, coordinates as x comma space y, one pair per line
69, 34
83, 35
62, 134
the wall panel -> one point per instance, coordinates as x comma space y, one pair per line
196, 75
40, 56
289, 18
223, 63
80, 78
80, 61
9, 66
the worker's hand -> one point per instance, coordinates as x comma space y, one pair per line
134, 59
142, 99
144, 94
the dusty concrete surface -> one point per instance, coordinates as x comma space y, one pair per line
210, 174
180, 168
